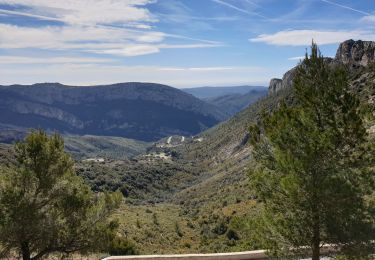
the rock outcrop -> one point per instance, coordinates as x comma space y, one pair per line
351, 53
278, 84
275, 85
356, 53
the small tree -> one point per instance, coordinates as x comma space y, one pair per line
45, 207
313, 169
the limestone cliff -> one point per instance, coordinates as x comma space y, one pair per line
356, 52
351, 53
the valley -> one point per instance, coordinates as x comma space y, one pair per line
208, 195
181, 166
187, 129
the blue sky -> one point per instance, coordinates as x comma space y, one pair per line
182, 43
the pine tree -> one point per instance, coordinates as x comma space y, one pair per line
313, 170
45, 207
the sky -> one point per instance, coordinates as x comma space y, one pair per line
181, 43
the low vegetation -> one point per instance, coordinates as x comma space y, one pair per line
89, 146
46, 208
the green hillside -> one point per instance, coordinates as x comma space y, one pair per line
90, 146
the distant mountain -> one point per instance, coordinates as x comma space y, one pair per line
212, 92
231, 104
142, 111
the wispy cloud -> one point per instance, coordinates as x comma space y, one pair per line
368, 18
144, 49
95, 39
41, 17
304, 37
252, 3
184, 17
239, 9
70, 37
88, 11
345, 7
86, 25
131, 50
52, 60
297, 58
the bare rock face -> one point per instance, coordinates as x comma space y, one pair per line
350, 52
278, 84
275, 85
356, 52
288, 77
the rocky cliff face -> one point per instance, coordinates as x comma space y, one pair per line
278, 84
351, 53
275, 85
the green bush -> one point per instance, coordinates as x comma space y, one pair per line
155, 219
220, 228
232, 235
120, 246
178, 230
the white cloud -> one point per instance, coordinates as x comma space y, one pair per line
150, 37
368, 18
67, 37
41, 17
94, 26
132, 50
304, 37
143, 49
51, 60
104, 40
88, 12
297, 58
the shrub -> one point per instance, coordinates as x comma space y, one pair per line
120, 246
232, 235
178, 230
155, 219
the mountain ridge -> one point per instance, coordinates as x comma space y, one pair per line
143, 111
213, 92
